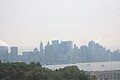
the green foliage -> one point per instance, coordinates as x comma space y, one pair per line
93, 77
34, 71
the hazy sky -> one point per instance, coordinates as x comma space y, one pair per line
24, 23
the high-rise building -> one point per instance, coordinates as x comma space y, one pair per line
67, 46
66, 50
14, 51
13, 54
55, 45
48, 54
76, 55
55, 42
35, 50
42, 53
3, 47
84, 53
91, 50
3, 51
41, 48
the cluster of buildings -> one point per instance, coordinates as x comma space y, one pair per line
6, 56
105, 75
63, 52
54, 53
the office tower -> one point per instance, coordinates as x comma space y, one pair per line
41, 48
35, 50
91, 51
42, 53
67, 46
14, 51
3, 51
49, 54
13, 54
76, 54
66, 50
55, 45
3, 47
83, 53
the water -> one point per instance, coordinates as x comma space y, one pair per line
94, 66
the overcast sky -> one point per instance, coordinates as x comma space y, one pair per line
24, 23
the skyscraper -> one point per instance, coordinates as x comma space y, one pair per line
35, 50
41, 48
84, 53
13, 54
66, 50
14, 51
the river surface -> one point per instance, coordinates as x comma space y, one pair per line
94, 66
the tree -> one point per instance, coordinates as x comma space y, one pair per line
34, 71
93, 77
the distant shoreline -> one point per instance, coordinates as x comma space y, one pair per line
92, 66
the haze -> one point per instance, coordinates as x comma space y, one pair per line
24, 23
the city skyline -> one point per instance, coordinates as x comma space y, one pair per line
60, 52
51, 42
24, 23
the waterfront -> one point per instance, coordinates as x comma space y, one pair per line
94, 66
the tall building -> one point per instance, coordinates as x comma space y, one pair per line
55, 44
3, 51
67, 46
76, 55
91, 50
35, 55
28, 57
97, 52
55, 50
3, 47
83, 53
66, 50
13, 54
48, 54
14, 51
41, 48
42, 53
35, 50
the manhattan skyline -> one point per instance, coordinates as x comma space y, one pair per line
60, 52
25, 23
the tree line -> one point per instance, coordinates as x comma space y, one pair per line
34, 71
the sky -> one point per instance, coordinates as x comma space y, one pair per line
25, 23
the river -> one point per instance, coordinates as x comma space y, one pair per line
94, 66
